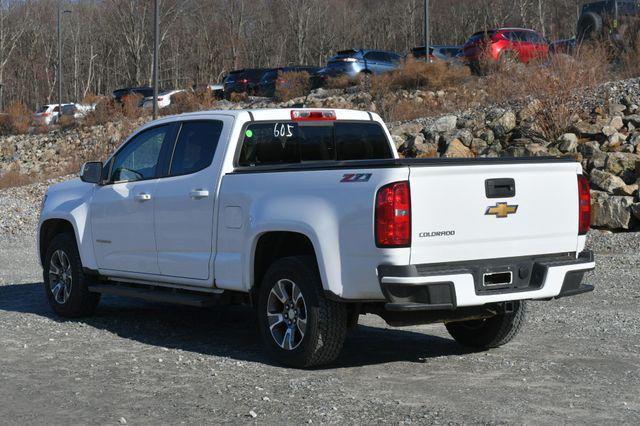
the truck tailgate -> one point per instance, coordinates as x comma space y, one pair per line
455, 217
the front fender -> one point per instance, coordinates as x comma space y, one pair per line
69, 201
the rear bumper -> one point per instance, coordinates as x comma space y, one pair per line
448, 287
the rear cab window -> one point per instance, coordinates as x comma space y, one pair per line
288, 142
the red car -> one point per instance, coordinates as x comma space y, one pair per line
517, 44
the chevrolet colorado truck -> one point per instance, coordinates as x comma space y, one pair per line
310, 216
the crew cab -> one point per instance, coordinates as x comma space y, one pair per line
310, 216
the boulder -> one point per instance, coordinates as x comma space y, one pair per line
613, 212
530, 111
568, 142
607, 182
486, 135
616, 123
456, 149
464, 135
478, 146
634, 119
588, 148
597, 160
447, 123
504, 124
617, 109
622, 164
585, 129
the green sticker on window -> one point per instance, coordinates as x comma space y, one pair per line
249, 133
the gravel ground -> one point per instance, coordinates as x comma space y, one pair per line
576, 361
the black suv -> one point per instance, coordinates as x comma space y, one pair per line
269, 80
120, 94
616, 19
244, 81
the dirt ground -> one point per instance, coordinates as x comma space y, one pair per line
576, 361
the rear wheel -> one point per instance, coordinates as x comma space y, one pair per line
300, 327
65, 283
489, 333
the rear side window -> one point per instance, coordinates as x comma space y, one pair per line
361, 141
195, 147
291, 143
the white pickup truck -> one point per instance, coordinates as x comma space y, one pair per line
311, 217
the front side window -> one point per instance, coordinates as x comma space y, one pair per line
195, 147
139, 159
291, 143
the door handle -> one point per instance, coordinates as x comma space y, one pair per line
143, 197
198, 194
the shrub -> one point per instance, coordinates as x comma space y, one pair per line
340, 82
67, 122
17, 119
290, 85
131, 106
414, 75
183, 102
106, 111
238, 97
13, 177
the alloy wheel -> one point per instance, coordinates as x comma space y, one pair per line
60, 277
287, 314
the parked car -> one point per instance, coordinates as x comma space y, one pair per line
505, 44
164, 99
566, 47
271, 79
615, 19
444, 53
244, 81
48, 114
357, 62
121, 94
309, 216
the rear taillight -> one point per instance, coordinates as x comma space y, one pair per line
305, 115
393, 215
160, 99
243, 81
584, 205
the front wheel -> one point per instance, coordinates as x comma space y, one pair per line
492, 332
65, 283
300, 327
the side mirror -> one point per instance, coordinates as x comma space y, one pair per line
91, 172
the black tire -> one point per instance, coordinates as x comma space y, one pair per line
326, 320
489, 333
589, 25
80, 302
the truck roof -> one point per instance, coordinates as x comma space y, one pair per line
279, 114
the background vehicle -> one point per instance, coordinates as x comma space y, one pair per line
614, 19
267, 86
164, 99
310, 216
445, 53
244, 81
48, 114
119, 95
357, 62
505, 44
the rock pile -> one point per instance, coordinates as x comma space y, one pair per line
603, 134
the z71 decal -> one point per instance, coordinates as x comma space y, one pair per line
356, 177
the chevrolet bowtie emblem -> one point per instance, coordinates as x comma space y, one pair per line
501, 210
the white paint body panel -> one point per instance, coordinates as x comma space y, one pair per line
210, 243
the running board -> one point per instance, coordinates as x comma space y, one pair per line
158, 294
